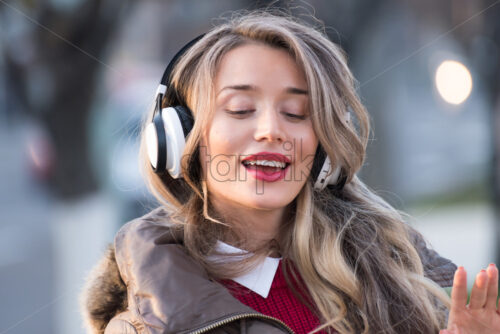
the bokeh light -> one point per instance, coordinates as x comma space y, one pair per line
453, 81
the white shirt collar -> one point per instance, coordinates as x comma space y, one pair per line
260, 279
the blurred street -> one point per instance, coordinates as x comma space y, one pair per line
46, 247
462, 234
27, 293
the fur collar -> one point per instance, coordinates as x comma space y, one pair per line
104, 294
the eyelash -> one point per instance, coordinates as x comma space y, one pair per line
242, 112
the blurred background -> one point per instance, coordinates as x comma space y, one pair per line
77, 76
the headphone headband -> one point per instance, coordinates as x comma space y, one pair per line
168, 71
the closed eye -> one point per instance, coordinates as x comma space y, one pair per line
242, 112
239, 112
296, 116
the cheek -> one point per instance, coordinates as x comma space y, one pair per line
222, 154
219, 143
213, 139
223, 139
314, 144
306, 141
312, 139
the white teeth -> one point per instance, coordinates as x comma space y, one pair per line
269, 163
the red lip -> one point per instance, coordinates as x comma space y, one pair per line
272, 156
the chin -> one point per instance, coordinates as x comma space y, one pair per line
268, 203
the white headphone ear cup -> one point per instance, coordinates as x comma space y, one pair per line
334, 177
175, 141
152, 144
323, 178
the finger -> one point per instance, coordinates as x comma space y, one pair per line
492, 294
479, 290
459, 290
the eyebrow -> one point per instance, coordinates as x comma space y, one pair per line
288, 90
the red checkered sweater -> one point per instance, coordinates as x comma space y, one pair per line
281, 303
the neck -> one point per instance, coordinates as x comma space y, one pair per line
256, 228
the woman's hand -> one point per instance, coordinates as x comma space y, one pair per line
481, 316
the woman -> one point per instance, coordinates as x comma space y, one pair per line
257, 233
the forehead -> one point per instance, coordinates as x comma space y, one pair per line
260, 65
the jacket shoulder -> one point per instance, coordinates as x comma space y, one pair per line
104, 293
157, 225
144, 234
120, 324
439, 269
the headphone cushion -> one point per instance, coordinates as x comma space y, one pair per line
186, 118
319, 159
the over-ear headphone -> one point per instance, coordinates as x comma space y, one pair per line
166, 135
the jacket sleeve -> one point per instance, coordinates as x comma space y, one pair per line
120, 324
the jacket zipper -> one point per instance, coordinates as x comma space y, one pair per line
240, 316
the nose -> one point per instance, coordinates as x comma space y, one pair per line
269, 126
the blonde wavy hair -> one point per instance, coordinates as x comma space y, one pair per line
353, 251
